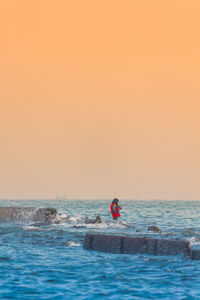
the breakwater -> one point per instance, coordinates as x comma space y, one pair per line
30, 214
139, 245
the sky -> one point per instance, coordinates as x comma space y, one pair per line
100, 99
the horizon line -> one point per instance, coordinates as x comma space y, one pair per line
95, 199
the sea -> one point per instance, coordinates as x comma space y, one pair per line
49, 261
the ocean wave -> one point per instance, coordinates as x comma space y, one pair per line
194, 241
72, 244
31, 228
78, 221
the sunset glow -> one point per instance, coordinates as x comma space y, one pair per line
100, 99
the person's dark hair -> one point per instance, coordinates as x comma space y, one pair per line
115, 201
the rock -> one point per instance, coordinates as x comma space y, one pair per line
154, 229
137, 230
93, 221
133, 245
46, 215
29, 214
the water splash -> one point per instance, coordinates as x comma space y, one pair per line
72, 244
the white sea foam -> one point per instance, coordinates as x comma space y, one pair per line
194, 241
31, 228
79, 222
72, 244
100, 225
65, 218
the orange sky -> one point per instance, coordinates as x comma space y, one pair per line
100, 99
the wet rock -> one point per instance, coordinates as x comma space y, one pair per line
47, 215
93, 221
29, 214
154, 229
138, 230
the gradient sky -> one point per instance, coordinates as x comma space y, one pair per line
100, 99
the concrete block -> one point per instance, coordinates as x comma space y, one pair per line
172, 247
102, 242
133, 245
195, 254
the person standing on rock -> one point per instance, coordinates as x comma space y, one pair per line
115, 209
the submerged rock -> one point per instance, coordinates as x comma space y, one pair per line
29, 214
154, 229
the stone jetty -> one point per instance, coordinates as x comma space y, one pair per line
30, 214
139, 245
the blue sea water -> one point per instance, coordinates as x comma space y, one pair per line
49, 262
